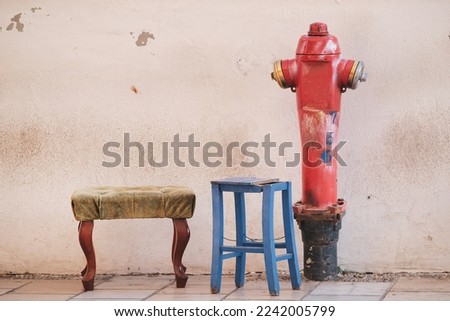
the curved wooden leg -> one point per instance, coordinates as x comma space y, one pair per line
85, 238
180, 240
174, 242
83, 272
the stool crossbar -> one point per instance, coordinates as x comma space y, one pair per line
239, 186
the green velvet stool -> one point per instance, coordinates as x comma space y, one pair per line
121, 202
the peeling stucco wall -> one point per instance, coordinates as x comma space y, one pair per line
75, 75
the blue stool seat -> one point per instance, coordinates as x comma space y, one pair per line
239, 186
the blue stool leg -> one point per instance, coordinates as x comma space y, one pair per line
288, 218
218, 224
269, 241
239, 204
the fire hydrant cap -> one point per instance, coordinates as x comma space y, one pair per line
318, 29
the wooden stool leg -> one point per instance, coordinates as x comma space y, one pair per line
83, 272
289, 234
269, 241
85, 238
217, 242
174, 242
241, 231
180, 241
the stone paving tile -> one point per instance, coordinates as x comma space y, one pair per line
421, 284
352, 288
258, 290
35, 297
3, 291
342, 298
417, 296
136, 283
195, 289
420, 289
206, 279
261, 295
51, 287
186, 297
114, 295
12, 283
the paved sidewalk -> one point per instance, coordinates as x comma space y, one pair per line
162, 288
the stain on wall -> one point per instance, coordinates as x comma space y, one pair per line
413, 151
143, 38
15, 21
134, 89
21, 145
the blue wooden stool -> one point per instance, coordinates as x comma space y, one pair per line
220, 252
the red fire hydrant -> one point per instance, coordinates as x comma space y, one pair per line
318, 76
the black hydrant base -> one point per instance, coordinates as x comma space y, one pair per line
320, 249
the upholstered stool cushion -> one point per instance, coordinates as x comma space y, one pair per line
120, 202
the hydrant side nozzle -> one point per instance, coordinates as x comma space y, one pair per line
357, 75
284, 72
277, 74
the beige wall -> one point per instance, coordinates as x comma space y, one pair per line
67, 70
